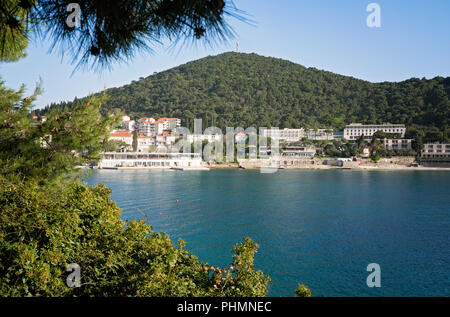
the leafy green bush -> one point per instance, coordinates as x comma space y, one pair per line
303, 291
42, 232
375, 158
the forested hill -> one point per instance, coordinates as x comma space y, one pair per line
237, 89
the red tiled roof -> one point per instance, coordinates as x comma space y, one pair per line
121, 134
164, 134
160, 120
166, 119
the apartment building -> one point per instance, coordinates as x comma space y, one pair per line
165, 139
355, 130
170, 124
145, 142
152, 127
128, 125
397, 144
436, 151
288, 135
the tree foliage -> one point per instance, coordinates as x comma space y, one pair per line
49, 149
110, 31
114, 145
13, 30
303, 291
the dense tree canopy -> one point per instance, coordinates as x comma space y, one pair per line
250, 90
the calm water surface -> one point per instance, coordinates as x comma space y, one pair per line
320, 228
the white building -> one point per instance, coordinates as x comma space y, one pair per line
121, 135
211, 138
355, 130
150, 161
165, 139
152, 127
397, 144
289, 135
128, 125
240, 137
436, 151
319, 134
365, 152
145, 142
170, 124
299, 151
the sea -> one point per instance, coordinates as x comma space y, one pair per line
321, 228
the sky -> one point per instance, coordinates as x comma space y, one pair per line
412, 41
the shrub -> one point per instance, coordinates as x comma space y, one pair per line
42, 232
303, 291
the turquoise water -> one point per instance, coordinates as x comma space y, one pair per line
320, 228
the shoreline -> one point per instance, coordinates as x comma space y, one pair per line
328, 168
235, 166
361, 169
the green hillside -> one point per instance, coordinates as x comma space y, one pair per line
236, 89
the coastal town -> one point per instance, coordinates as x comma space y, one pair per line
223, 156
155, 143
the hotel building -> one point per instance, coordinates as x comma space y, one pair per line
435, 155
170, 124
397, 144
150, 161
152, 127
355, 130
436, 151
289, 135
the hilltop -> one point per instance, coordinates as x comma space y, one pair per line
238, 89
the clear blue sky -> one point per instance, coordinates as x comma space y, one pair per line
413, 41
